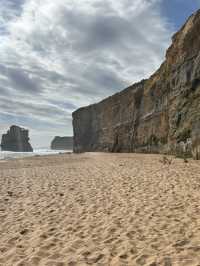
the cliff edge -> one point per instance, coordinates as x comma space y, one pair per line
158, 115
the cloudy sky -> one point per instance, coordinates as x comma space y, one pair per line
56, 56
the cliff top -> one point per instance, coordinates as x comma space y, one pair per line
117, 94
13, 127
186, 42
185, 45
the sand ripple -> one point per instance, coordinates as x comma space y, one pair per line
99, 209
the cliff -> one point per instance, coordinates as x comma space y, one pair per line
62, 143
16, 139
158, 115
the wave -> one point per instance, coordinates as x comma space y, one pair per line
6, 155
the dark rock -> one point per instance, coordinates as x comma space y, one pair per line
157, 115
196, 141
62, 143
16, 139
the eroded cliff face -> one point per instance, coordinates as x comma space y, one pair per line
62, 143
158, 115
16, 139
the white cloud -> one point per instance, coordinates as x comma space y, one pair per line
59, 55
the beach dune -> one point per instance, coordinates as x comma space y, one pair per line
99, 209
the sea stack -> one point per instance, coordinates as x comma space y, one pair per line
16, 139
157, 115
62, 143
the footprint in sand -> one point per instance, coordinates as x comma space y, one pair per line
34, 260
94, 258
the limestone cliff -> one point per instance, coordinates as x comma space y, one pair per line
16, 139
158, 115
62, 143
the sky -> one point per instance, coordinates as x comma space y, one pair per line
57, 56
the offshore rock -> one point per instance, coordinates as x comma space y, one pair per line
158, 115
16, 139
62, 143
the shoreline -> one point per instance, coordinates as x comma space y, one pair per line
10, 155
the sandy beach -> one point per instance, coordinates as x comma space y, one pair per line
99, 209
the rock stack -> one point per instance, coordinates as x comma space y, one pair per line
16, 139
62, 143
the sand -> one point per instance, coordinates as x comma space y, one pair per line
99, 209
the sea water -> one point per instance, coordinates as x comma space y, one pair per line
6, 155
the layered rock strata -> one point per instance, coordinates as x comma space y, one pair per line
158, 115
16, 139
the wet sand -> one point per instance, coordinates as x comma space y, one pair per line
99, 209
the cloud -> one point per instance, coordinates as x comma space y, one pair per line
59, 55
21, 80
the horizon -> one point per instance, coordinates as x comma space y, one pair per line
57, 57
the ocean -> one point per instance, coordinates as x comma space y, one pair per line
6, 155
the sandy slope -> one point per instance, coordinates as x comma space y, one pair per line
99, 209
